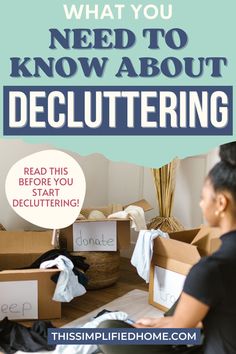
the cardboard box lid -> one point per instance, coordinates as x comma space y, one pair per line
17, 260
113, 208
24, 272
207, 240
142, 204
23, 242
206, 231
177, 250
188, 246
184, 235
99, 220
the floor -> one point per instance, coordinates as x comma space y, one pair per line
134, 304
94, 299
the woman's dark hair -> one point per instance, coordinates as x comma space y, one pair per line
228, 153
223, 174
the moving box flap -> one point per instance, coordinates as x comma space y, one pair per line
23, 272
171, 264
113, 208
16, 242
99, 220
17, 261
207, 240
106, 210
177, 250
207, 246
185, 235
206, 231
142, 204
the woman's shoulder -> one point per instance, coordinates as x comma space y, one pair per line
209, 265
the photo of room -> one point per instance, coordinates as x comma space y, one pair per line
138, 234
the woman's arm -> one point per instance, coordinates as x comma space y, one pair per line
189, 312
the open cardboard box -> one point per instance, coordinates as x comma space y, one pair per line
27, 294
99, 235
19, 249
172, 260
24, 288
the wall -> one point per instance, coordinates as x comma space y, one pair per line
129, 183
115, 182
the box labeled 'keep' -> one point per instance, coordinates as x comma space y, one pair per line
27, 294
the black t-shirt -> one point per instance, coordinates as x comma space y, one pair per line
213, 282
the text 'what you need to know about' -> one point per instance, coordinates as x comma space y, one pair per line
118, 110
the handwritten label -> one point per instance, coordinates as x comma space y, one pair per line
95, 236
19, 299
167, 286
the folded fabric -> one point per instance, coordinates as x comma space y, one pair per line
143, 251
96, 215
134, 213
67, 286
90, 348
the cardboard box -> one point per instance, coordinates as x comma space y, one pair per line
19, 249
99, 235
172, 260
27, 294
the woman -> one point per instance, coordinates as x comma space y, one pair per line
209, 293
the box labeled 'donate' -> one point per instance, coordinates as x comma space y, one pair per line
172, 260
99, 235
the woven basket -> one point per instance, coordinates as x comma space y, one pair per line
103, 270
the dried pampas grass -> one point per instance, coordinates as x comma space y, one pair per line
168, 224
164, 181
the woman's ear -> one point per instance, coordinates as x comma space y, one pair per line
222, 202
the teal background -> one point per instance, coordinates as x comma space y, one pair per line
210, 26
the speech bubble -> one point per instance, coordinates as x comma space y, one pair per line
46, 188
